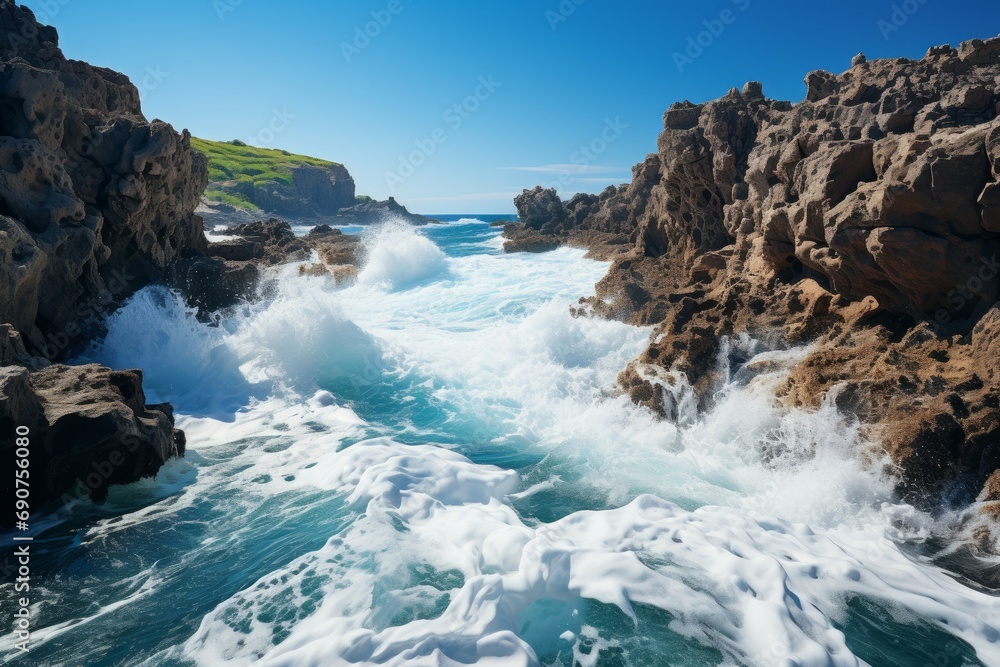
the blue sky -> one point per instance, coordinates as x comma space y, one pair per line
456, 106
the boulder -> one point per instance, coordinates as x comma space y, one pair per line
88, 427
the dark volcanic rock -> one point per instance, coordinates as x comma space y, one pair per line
231, 272
863, 220
95, 201
375, 212
273, 242
211, 284
314, 191
87, 425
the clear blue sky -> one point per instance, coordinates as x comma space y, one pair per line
223, 68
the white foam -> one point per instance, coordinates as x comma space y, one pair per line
219, 238
762, 591
774, 522
397, 256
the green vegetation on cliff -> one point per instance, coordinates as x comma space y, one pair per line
234, 162
236, 200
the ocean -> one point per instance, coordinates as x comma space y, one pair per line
432, 467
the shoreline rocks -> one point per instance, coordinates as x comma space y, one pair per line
96, 202
89, 427
374, 212
861, 222
229, 272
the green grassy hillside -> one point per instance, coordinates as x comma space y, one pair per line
234, 162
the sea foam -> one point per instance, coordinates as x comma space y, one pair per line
520, 511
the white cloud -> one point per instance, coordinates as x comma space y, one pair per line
479, 196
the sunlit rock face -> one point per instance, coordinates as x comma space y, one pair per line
863, 219
95, 201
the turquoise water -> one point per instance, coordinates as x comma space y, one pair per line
432, 467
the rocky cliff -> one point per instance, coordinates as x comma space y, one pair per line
863, 221
275, 181
95, 203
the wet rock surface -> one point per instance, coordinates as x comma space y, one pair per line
861, 221
89, 427
375, 212
95, 203
230, 271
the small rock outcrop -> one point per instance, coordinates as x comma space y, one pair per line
273, 242
373, 212
89, 427
586, 220
863, 221
229, 272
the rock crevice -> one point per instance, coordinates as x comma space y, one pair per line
95, 203
862, 221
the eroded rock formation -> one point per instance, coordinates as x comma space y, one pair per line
89, 427
862, 221
95, 203
229, 272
